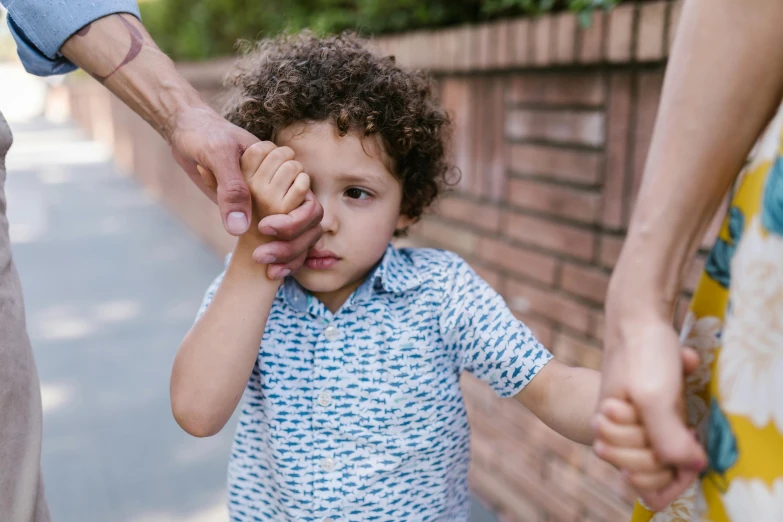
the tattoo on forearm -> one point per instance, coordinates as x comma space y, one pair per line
137, 41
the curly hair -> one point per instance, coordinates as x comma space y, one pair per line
303, 78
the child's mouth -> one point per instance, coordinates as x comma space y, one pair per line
321, 259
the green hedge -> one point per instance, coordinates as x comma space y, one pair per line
200, 29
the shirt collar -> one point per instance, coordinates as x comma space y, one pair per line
395, 273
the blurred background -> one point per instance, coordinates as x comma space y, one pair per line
554, 104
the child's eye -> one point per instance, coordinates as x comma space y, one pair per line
356, 193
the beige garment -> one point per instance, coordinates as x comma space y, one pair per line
21, 484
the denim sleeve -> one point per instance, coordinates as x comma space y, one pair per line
491, 342
41, 27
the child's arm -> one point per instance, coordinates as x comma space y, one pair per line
564, 398
216, 357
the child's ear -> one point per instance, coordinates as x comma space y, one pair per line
404, 222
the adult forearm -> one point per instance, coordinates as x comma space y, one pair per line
117, 51
722, 86
216, 358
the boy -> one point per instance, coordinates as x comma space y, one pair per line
352, 408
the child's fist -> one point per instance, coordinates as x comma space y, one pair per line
278, 183
622, 442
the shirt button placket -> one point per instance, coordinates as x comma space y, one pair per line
327, 466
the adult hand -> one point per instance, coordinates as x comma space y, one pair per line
643, 364
209, 148
200, 137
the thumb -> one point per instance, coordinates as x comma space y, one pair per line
671, 440
233, 194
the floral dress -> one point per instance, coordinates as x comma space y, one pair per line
735, 321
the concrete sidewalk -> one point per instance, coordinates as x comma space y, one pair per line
112, 283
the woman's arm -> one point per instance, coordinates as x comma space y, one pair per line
723, 83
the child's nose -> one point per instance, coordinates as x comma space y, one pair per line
329, 221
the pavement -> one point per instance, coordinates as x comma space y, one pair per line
112, 283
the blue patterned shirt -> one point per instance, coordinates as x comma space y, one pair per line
358, 416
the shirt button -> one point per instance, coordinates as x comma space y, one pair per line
331, 333
328, 520
324, 399
327, 464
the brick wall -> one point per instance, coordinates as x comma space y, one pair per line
553, 122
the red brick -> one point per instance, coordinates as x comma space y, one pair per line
566, 24
568, 165
562, 201
597, 326
591, 47
447, 49
576, 127
652, 21
485, 50
456, 100
575, 89
565, 239
674, 22
649, 94
501, 495
525, 298
484, 452
606, 475
524, 88
480, 127
503, 43
478, 394
587, 493
541, 493
577, 352
610, 250
517, 261
619, 120
492, 277
520, 42
557, 89
589, 283
466, 58
480, 215
542, 40
541, 328
451, 237
495, 162
620, 33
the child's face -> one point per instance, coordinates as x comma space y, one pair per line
361, 200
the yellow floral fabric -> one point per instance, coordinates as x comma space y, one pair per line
735, 321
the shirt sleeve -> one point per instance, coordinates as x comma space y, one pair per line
489, 341
41, 27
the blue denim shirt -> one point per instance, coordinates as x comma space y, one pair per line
41, 27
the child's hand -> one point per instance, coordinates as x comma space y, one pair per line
620, 439
622, 442
278, 183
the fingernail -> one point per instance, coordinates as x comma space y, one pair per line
268, 231
598, 448
283, 273
236, 223
266, 259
